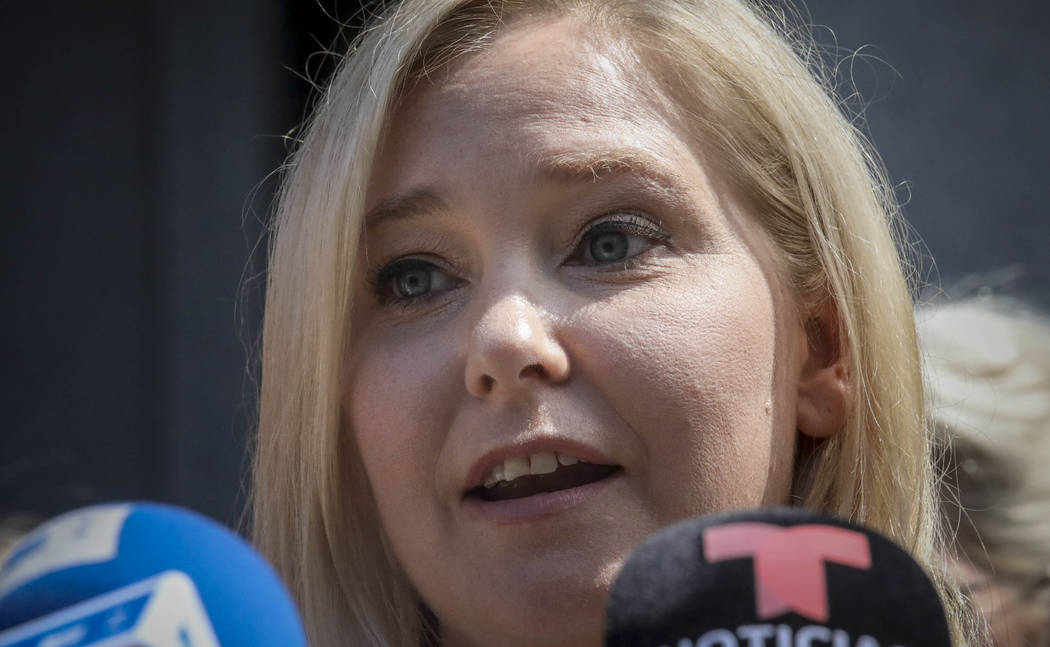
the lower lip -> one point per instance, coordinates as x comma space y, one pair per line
537, 506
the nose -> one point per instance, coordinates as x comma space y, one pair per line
512, 349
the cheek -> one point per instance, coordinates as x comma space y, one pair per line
395, 415
691, 367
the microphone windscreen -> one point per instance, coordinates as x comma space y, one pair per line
780, 577
141, 573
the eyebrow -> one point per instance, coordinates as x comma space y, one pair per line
590, 166
416, 202
573, 167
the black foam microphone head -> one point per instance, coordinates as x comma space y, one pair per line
779, 577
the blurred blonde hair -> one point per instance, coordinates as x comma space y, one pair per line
987, 361
753, 88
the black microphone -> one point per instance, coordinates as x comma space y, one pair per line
779, 577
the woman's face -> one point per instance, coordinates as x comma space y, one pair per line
568, 333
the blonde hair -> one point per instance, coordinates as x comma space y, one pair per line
764, 106
987, 364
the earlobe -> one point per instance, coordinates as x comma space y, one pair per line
824, 383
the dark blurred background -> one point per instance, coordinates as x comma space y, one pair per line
139, 144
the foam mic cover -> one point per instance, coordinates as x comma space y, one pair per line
143, 575
779, 577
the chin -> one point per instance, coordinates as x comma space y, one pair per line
574, 624
550, 605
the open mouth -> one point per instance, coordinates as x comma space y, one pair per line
517, 478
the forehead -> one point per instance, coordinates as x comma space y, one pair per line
535, 62
545, 87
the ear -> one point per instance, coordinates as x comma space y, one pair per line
824, 387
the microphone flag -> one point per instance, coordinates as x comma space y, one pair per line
775, 577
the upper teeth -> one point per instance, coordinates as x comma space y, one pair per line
541, 463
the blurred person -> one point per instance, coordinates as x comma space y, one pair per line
987, 362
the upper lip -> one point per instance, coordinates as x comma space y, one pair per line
483, 465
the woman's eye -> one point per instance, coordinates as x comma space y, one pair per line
617, 240
610, 246
411, 279
412, 283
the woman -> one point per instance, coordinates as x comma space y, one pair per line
548, 276
987, 362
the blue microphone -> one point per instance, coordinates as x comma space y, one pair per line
143, 575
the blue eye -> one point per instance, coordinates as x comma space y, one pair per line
412, 283
410, 280
609, 246
617, 239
